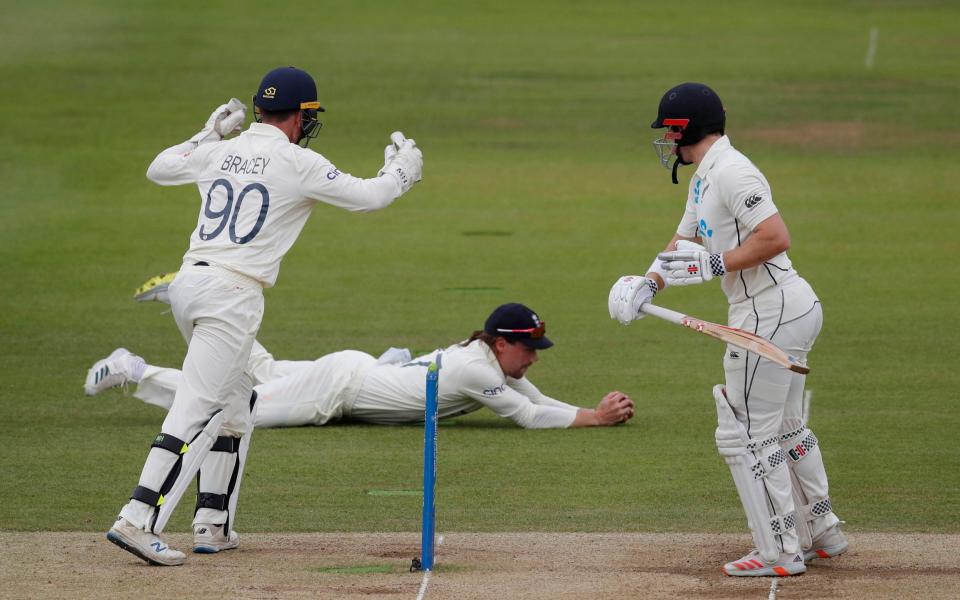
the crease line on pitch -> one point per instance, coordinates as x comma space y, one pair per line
426, 574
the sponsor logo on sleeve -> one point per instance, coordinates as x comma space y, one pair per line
496, 391
753, 201
332, 174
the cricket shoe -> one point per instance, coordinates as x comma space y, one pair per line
155, 288
121, 367
210, 539
753, 565
143, 544
828, 544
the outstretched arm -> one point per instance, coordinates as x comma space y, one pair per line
614, 408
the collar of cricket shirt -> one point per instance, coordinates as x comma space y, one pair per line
267, 129
712, 155
490, 356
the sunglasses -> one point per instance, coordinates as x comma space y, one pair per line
534, 332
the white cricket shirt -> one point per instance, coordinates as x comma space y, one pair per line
256, 192
470, 378
728, 197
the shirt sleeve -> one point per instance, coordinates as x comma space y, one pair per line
177, 165
748, 196
525, 386
483, 384
688, 222
320, 180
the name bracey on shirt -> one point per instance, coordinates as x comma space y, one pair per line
245, 166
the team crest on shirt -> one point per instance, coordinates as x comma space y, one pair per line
753, 201
703, 230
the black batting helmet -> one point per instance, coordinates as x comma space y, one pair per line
695, 109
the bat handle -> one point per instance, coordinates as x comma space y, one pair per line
663, 313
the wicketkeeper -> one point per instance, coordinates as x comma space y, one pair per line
732, 231
256, 192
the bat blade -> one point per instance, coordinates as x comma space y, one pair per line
731, 335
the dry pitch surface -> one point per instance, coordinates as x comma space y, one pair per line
523, 565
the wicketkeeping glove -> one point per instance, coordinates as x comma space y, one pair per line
627, 295
690, 264
403, 160
224, 120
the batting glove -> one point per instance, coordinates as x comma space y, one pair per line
224, 120
690, 264
627, 295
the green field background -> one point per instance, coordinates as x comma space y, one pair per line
540, 186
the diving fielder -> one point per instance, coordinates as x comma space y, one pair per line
731, 230
256, 192
487, 370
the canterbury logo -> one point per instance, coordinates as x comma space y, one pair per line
753, 200
270, 92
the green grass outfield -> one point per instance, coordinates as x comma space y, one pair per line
533, 119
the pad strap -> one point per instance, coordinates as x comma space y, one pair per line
765, 465
170, 444
754, 445
798, 451
226, 444
214, 501
147, 496
783, 523
816, 510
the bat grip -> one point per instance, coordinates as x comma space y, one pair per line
663, 313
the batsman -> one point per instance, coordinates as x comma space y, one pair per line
732, 231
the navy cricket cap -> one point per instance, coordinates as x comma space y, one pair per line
515, 322
287, 88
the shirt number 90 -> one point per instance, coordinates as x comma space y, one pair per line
228, 214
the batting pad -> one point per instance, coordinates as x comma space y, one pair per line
199, 448
748, 472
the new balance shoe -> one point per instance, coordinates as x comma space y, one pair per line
143, 544
155, 288
753, 565
830, 543
121, 367
210, 539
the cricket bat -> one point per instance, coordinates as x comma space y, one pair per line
731, 335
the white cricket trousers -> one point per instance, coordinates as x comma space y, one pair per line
218, 312
762, 394
296, 393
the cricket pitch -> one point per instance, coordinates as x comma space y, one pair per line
472, 565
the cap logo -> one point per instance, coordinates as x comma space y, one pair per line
270, 92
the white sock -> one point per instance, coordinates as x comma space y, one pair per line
135, 367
